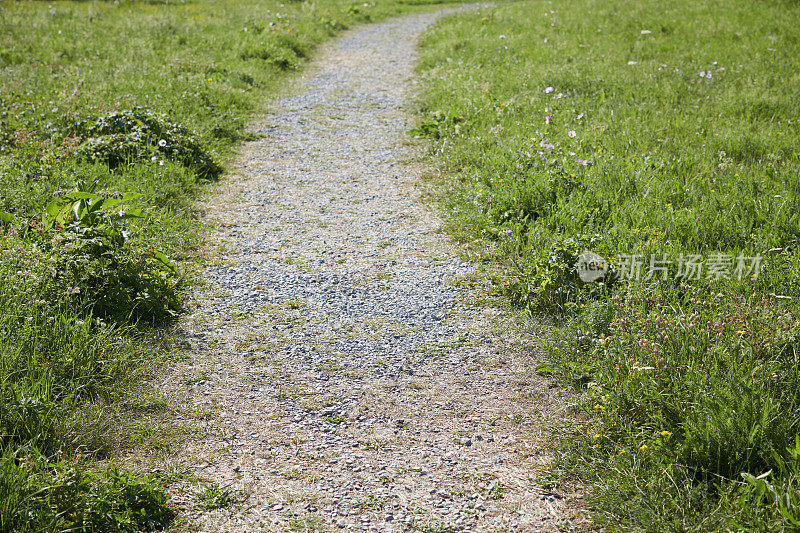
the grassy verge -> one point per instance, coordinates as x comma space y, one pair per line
665, 136
113, 117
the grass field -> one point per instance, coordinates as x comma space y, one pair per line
664, 132
657, 134
113, 118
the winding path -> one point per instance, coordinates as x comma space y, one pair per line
344, 373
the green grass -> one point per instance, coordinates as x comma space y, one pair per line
215, 497
371, 502
114, 118
589, 125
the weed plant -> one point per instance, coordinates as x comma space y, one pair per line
668, 131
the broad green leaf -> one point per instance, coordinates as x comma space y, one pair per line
161, 257
133, 213
55, 210
74, 196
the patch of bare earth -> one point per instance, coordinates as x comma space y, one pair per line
344, 374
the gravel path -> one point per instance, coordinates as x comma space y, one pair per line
343, 373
